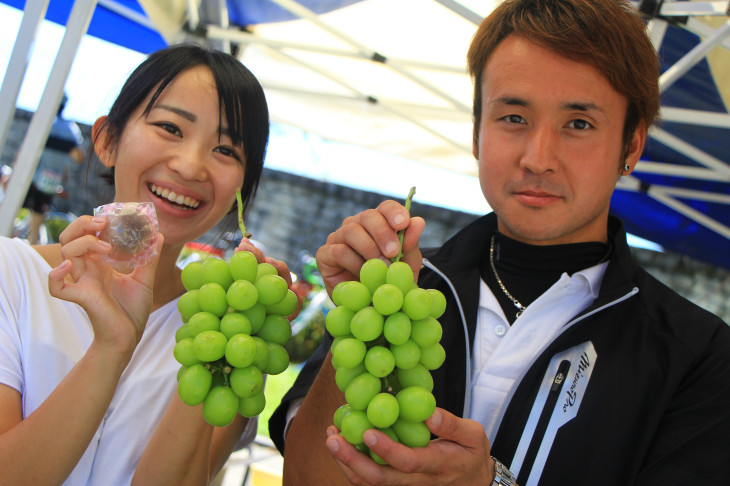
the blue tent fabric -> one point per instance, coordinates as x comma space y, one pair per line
648, 218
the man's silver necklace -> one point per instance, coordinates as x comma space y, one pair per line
520, 307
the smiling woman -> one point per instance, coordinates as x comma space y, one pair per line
188, 129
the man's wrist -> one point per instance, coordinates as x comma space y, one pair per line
502, 475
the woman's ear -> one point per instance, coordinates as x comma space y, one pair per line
101, 142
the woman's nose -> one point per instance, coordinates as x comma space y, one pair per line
189, 162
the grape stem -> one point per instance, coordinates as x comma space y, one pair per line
240, 214
401, 233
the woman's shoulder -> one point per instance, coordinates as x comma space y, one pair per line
15, 251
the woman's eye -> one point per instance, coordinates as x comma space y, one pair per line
227, 151
580, 124
169, 127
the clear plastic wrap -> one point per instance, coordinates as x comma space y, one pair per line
132, 231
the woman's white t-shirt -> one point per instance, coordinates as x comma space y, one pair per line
42, 338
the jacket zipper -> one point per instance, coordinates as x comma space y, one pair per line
545, 415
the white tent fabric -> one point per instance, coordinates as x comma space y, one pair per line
390, 75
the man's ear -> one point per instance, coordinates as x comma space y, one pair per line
635, 146
101, 142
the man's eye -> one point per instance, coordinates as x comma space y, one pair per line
516, 119
580, 124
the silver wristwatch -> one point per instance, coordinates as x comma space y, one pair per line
502, 475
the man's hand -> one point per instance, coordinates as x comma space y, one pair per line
370, 234
460, 456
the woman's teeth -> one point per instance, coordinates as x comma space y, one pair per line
173, 197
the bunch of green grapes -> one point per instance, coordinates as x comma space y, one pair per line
234, 331
386, 342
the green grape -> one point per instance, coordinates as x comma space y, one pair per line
203, 321
337, 293
354, 424
256, 316
397, 328
234, 323
438, 303
188, 304
278, 359
192, 276
194, 384
338, 320
340, 413
343, 376
184, 352
180, 372
361, 448
383, 410
209, 345
361, 390
412, 434
265, 268
416, 376
276, 329
354, 295
406, 355
400, 274
243, 266
416, 404
252, 406
372, 273
367, 324
182, 333
349, 352
242, 295
390, 433
417, 303
379, 361
433, 356
262, 353
246, 382
272, 289
240, 350
216, 270
286, 306
387, 299
212, 298
426, 331
220, 406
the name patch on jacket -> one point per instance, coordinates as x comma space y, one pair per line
557, 403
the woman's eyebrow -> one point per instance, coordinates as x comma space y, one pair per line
179, 111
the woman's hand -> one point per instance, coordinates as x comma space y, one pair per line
117, 304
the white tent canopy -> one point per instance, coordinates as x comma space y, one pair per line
390, 75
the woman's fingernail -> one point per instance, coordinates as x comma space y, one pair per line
105, 244
98, 219
399, 218
63, 264
333, 446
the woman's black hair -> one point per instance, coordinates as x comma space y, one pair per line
240, 97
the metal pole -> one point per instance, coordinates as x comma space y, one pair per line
32, 17
40, 124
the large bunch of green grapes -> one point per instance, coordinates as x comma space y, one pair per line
234, 331
386, 341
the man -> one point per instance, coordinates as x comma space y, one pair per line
564, 360
62, 150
